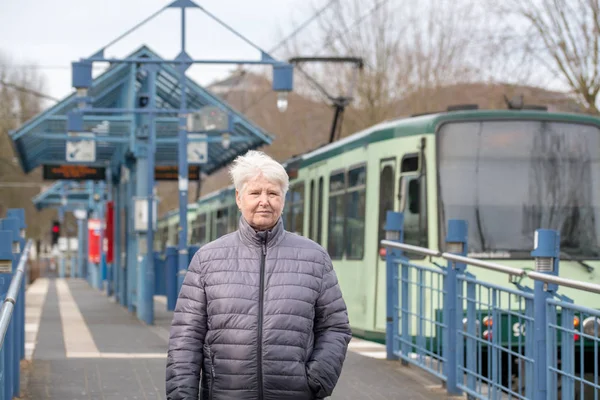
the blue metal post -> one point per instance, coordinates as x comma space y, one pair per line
12, 225
145, 309
110, 235
567, 350
546, 253
73, 265
81, 231
100, 207
19, 213
126, 205
171, 260
62, 267
405, 347
394, 231
8, 348
183, 164
117, 242
132, 262
456, 243
473, 330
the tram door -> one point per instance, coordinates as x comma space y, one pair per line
387, 191
412, 200
409, 197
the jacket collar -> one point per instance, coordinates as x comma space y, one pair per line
251, 237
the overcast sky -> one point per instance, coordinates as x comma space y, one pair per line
53, 33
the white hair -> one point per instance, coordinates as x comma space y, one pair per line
255, 163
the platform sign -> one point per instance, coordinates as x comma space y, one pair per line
74, 172
140, 220
82, 150
169, 173
197, 151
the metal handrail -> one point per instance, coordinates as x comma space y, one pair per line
484, 264
586, 286
13, 293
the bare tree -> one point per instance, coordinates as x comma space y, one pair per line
19, 101
561, 36
409, 48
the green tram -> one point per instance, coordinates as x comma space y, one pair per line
506, 172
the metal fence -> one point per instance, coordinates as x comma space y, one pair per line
14, 253
490, 340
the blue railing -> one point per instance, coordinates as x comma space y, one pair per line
486, 339
13, 262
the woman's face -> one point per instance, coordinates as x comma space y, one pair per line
261, 202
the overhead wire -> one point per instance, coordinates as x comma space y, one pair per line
29, 91
356, 22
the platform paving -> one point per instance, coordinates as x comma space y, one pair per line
84, 346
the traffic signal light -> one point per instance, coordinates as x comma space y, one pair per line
55, 232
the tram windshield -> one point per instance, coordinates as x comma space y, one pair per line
509, 178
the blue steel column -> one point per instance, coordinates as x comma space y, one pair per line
73, 262
132, 247
116, 241
145, 309
126, 204
16, 318
106, 266
12, 225
456, 243
80, 246
61, 219
546, 255
183, 164
6, 259
19, 213
394, 231
101, 216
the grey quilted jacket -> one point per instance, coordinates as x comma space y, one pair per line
260, 316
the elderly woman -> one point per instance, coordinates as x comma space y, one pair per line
260, 312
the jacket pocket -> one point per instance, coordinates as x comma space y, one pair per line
306, 381
210, 361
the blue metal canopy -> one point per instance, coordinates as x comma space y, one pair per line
68, 195
42, 140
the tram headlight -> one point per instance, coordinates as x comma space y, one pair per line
591, 326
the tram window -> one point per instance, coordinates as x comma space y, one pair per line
311, 210
233, 221
173, 236
386, 198
412, 203
294, 217
201, 223
320, 211
356, 198
194, 233
298, 209
164, 237
410, 163
335, 233
222, 221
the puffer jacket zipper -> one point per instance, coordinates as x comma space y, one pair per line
260, 315
212, 376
